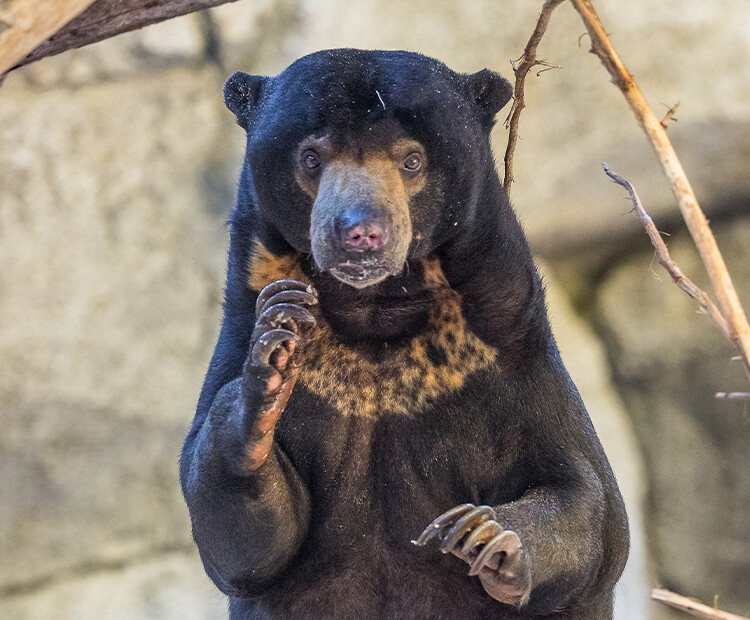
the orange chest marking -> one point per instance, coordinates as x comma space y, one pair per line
412, 375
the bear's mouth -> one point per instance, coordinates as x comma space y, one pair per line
360, 274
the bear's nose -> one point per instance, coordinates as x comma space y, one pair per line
358, 230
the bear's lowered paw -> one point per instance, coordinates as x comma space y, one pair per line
494, 554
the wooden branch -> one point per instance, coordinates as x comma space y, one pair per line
101, 20
527, 62
734, 395
665, 260
696, 221
24, 24
692, 607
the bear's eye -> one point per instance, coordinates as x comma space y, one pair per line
413, 162
310, 159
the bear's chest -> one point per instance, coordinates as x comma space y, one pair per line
373, 427
399, 379
381, 476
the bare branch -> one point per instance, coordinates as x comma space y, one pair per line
51, 26
665, 260
527, 62
693, 215
27, 23
691, 606
734, 395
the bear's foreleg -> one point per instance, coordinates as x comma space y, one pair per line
544, 549
249, 508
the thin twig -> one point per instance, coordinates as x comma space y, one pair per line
527, 62
696, 221
665, 260
669, 116
734, 395
548, 66
692, 607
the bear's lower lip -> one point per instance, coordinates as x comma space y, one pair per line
358, 274
351, 267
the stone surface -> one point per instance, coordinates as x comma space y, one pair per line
110, 295
254, 36
669, 361
165, 588
167, 44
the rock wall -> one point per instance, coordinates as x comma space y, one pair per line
110, 293
118, 166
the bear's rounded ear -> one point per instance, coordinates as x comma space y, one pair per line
489, 91
241, 95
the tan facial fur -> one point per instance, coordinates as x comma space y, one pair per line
384, 164
355, 385
375, 180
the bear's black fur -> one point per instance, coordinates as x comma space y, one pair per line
423, 387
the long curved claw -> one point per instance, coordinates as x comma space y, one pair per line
306, 298
444, 521
286, 314
268, 343
506, 542
464, 525
483, 534
283, 286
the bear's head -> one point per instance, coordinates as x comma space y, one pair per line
366, 159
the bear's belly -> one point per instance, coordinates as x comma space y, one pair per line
388, 585
392, 587
375, 484
389, 477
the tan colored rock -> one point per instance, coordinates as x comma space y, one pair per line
156, 48
171, 586
112, 267
254, 36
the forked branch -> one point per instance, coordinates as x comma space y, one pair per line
527, 62
665, 260
33, 29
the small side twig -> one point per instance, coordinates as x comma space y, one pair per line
548, 66
669, 116
734, 395
665, 260
527, 62
691, 606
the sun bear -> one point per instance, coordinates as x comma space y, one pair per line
386, 428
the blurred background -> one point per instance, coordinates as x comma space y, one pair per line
118, 168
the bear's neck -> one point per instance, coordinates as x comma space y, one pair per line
395, 309
489, 264
402, 307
